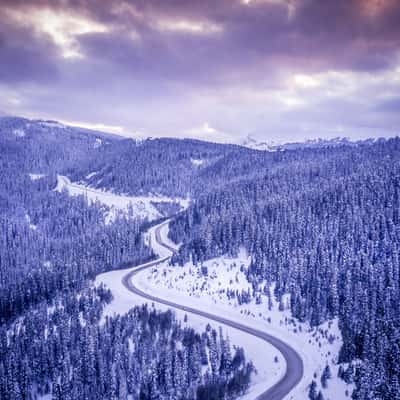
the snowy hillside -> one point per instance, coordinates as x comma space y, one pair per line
220, 284
141, 207
35, 128
319, 224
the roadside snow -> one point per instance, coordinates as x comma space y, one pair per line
124, 300
159, 250
262, 354
136, 206
205, 287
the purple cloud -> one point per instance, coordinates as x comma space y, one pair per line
229, 65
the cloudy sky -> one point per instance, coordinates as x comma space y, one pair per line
280, 70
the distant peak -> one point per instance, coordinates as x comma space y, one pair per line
252, 143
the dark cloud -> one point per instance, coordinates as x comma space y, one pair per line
316, 36
141, 63
25, 57
391, 105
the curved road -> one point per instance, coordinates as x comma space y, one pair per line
294, 363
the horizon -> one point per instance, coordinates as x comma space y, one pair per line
244, 142
277, 70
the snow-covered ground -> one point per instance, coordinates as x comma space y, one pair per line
196, 161
204, 287
29, 222
137, 206
97, 143
19, 133
35, 177
261, 353
158, 249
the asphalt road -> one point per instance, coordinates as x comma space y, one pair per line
294, 363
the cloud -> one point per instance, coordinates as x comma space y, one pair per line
207, 132
187, 26
220, 40
25, 57
389, 105
62, 27
271, 67
119, 130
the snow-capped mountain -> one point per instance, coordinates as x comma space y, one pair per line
31, 128
252, 143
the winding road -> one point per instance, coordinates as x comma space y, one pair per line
294, 363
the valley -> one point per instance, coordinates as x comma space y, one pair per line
249, 275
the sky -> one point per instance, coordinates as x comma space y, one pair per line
278, 70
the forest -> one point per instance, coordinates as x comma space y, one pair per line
66, 352
50, 241
321, 224
54, 339
325, 227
